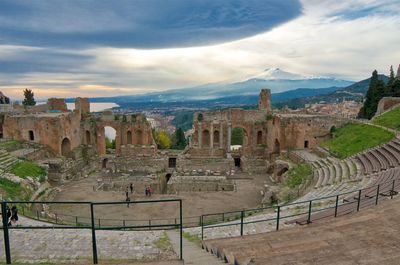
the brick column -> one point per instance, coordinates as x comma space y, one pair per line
221, 135
229, 136
211, 135
199, 133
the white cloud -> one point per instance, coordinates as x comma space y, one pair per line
346, 39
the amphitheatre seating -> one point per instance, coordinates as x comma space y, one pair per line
368, 196
351, 239
7, 160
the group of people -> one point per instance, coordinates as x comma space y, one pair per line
148, 191
12, 215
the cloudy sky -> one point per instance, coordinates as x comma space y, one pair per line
107, 48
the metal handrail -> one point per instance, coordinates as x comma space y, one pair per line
278, 208
92, 226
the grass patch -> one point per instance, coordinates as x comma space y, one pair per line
13, 191
10, 145
298, 175
354, 138
163, 243
390, 119
24, 169
192, 238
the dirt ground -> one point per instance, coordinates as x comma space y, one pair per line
248, 195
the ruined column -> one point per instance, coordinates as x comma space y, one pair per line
229, 136
199, 133
211, 135
221, 133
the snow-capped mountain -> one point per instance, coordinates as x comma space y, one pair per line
278, 74
275, 79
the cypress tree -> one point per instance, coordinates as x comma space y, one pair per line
29, 99
389, 87
180, 139
367, 110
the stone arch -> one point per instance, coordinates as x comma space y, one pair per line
104, 163
88, 137
128, 137
277, 147
66, 148
244, 138
205, 138
216, 137
138, 137
260, 137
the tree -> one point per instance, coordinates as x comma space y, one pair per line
180, 140
162, 139
389, 90
29, 99
376, 92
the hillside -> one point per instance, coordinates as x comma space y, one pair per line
354, 138
354, 92
390, 119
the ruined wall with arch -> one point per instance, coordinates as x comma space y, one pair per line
266, 134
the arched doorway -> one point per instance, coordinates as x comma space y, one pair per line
138, 137
205, 138
239, 138
259, 137
87, 136
104, 163
277, 147
216, 137
66, 148
128, 137
110, 135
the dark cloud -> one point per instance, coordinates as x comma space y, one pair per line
139, 23
43, 60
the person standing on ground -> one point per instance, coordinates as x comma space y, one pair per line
8, 216
150, 191
131, 187
146, 191
127, 199
14, 215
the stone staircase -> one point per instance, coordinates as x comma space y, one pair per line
7, 161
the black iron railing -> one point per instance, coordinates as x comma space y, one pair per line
332, 206
93, 226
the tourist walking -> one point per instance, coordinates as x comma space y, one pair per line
150, 191
8, 216
146, 191
14, 215
128, 200
131, 187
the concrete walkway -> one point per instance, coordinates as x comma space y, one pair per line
192, 254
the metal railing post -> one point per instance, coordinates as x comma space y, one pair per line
94, 245
359, 200
392, 191
278, 213
202, 228
181, 229
241, 222
123, 224
377, 195
149, 224
336, 205
5, 232
309, 212
76, 220
223, 217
